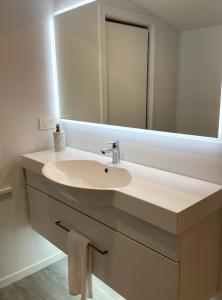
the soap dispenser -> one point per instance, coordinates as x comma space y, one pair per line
59, 139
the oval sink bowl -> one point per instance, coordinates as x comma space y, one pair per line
86, 174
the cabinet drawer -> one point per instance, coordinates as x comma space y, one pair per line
147, 234
133, 270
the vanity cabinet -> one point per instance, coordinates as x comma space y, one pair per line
138, 258
130, 268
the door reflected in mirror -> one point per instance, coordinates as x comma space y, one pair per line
142, 64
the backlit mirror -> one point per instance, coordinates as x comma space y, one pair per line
150, 64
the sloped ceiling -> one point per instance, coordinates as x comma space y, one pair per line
185, 14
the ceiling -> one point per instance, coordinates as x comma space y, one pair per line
185, 14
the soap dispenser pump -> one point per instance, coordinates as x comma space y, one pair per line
59, 139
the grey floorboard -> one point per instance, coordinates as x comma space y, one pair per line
52, 284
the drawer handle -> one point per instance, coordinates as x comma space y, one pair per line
59, 224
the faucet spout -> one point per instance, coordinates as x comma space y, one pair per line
105, 151
115, 150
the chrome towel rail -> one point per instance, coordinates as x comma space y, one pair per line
59, 224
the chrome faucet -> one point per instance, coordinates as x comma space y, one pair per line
115, 150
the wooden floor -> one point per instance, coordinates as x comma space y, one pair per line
52, 284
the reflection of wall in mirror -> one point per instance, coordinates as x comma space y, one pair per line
200, 81
166, 77
78, 63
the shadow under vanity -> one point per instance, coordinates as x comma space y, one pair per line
160, 242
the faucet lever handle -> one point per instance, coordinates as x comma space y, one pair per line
115, 144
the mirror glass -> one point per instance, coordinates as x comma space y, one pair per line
150, 64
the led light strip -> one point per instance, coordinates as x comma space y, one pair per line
54, 66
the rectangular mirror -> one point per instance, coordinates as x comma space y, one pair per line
148, 64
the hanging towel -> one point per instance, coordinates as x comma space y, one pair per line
79, 265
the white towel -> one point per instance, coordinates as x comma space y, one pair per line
79, 265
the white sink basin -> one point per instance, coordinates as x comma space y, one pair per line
86, 174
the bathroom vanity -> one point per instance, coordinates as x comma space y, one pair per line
156, 237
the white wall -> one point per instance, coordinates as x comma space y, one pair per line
77, 52
25, 95
196, 158
200, 81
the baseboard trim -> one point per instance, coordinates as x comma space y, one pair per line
31, 269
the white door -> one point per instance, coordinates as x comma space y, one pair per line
127, 62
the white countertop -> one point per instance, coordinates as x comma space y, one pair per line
174, 193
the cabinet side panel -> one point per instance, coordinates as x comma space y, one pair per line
200, 256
